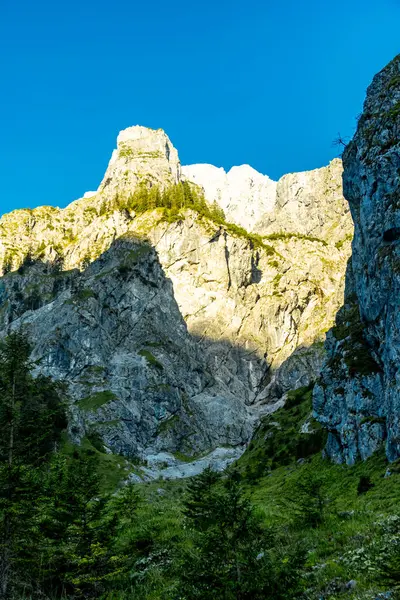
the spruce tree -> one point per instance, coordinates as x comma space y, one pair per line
81, 526
233, 557
199, 502
32, 417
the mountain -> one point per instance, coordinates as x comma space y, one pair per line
244, 194
357, 397
188, 341
174, 328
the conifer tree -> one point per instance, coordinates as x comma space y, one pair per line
32, 417
7, 264
198, 505
233, 556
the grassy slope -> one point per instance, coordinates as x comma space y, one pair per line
356, 532
357, 529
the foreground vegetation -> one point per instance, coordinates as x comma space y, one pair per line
283, 523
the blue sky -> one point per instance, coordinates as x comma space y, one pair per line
261, 82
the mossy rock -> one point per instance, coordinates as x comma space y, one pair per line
151, 359
96, 401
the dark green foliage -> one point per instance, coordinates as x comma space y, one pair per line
124, 271
32, 414
199, 501
364, 484
349, 329
279, 440
32, 418
233, 557
308, 499
151, 359
83, 295
26, 263
285, 235
373, 419
80, 528
86, 261
33, 301
389, 572
173, 200
7, 264
298, 396
97, 400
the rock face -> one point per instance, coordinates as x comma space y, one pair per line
310, 203
173, 334
143, 155
358, 397
244, 194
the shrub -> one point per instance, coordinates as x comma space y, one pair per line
364, 484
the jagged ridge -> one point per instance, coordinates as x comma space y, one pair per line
253, 313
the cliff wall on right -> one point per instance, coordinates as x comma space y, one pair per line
358, 395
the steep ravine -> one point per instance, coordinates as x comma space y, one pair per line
174, 335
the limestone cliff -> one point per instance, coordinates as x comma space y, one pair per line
358, 397
244, 194
174, 332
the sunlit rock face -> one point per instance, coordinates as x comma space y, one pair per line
310, 203
244, 194
359, 393
175, 335
143, 155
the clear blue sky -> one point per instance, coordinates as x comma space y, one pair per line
264, 82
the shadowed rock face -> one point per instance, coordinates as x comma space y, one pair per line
174, 336
139, 379
359, 395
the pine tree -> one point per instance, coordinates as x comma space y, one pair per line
233, 557
31, 420
7, 264
154, 197
307, 498
81, 525
389, 573
198, 505
217, 214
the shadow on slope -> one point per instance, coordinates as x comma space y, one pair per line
140, 382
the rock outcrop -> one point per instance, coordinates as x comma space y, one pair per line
311, 204
174, 333
358, 397
244, 194
143, 156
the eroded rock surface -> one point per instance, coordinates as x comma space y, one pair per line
358, 397
243, 193
174, 335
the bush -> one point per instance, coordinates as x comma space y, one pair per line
364, 484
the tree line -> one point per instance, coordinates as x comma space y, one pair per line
173, 198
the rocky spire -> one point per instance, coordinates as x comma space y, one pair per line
143, 155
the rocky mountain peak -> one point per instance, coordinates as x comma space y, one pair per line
175, 328
143, 155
